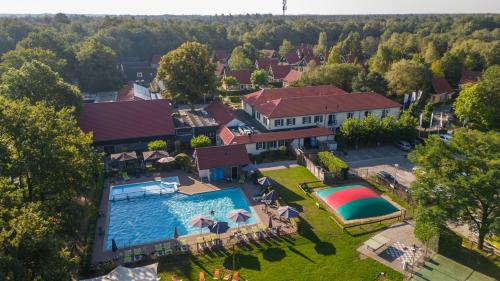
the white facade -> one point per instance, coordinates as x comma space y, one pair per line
330, 120
256, 148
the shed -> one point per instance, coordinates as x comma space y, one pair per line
220, 162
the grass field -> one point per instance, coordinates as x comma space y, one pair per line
320, 251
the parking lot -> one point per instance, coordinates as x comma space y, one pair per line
369, 161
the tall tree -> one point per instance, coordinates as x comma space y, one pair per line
16, 58
285, 47
479, 104
461, 178
259, 78
406, 76
452, 66
321, 47
187, 72
37, 82
97, 67
369, 82
340, 75
239, 59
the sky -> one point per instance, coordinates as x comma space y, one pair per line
211, 7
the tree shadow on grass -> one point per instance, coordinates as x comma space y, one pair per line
300, 254
273, 254
238, 261
288, 195
321, 247
325, 248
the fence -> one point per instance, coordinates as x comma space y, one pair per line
309, 162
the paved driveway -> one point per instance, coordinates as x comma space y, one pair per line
369, 161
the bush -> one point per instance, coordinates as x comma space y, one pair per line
182, 161
200, 141
157, 145
333, 164
282, 153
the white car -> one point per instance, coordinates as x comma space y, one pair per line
404, 145
445, 137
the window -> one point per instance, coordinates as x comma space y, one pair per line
332, 119
306, 120
271, 144
139, 74
278, 122
265, 121
350, 115
367, 113
258, 115
385, 112
281, 143
290, 121
259, 145
318, 118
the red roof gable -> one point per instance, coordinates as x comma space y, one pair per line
441, 86
266, 95
220, 112
265, 63
221, 156
469, 76
113, 121
243, 75
292, 76
292, 57
219, 69
280, 71
275, 136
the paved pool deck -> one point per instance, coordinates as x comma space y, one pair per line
190, 184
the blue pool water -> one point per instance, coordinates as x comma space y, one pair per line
152, 218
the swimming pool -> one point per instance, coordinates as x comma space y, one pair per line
147, 219
127, 191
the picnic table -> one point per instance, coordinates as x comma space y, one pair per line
376, 242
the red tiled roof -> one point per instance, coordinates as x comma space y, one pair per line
308, 58
280, 71
219, 69
264, 63
282, 135
220, 54
127, 120
292, 57
299, 106
292, 76
243, 75
126, 94
265, 95
220, 112
225, 135
441, 86
469, 76
221, 156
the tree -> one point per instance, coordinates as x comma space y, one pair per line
182, 161
259, 78
478, 104
351, 131
37, 82
250, 51
382, 60
239, 59
452, 67
230, 81
187, 72
340, 75
49, 40
200, 141
428, 224
437, 69
16, 58
427, 114
285, 47
461, 179
97, 67
369, 82
321, 47
407, 127
157, 145
405, 77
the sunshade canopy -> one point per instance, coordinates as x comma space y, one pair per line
239, 215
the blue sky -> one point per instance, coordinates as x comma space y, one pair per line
210, 7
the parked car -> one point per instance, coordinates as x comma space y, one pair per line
445, 137
388, 178
404, 145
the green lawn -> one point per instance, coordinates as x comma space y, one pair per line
319, 252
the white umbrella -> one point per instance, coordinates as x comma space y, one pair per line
201, 222
166, 160
239, 216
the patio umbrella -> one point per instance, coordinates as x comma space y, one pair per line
239, 216
271, 196
114, 247
249, 168
264, 181
219, 227
176, 234
201, 222
270, 224
166, 160
288, 212
123, 156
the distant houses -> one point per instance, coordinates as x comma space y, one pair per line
242, 78
443, 90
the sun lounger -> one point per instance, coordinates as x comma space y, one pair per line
127, 256
184, 246
137, 254
202, 276
227, 275
242, 179
256, 232
159, 250
236, 276
216, 274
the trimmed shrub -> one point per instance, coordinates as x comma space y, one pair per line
182, 161
200, 141
157, 145
333, 164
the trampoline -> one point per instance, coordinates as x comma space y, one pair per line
356, 202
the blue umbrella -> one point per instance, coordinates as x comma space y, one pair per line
249, 168
219, 227
265, 181
176, 234
270, 225
271, 196
288, 212
114, 247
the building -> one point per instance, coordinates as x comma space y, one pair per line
270, 54
136, 92
223, 115
127, 125
291, 77
258, 143
220, 56
220, 162
137, 71
469, 76
155, 61
242, 77
265, 63
443, 90
314, 106
219, 70
191, 123
278, 72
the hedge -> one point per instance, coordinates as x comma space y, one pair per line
332, 163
